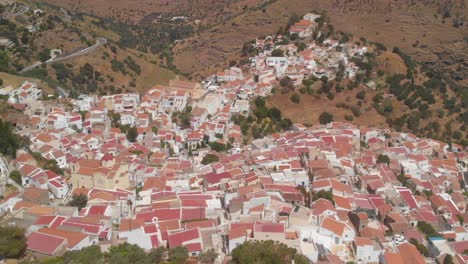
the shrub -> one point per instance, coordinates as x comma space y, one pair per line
209, 158
361, 95
12, 242
325, 118
295, 98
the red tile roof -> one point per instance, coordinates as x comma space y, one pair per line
178, 239
269, 227
44, 243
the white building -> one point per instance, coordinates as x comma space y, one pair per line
27, 92
367, 251
58, 187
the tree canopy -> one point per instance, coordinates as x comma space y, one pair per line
325, 118
269, 251
383, 159
12, 242
208, 256
16, 176
122, 253
79, 201
209, 158
277, 53
9, 142
132, 134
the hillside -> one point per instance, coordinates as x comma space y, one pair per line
114, 68
422, 81
432, 32
417, 27
143, 11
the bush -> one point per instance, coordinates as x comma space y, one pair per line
325, 118
79, 201
266, 252
132, 134
295, 98
44, 55
361, 95
9, 142
277, 53
349, 117
16, 176
209, 158
12, 242
427, 229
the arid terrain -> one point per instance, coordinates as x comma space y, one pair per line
424, 29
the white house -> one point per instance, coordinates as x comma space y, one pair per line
27, 92
241, 107
230, 75
341, 232
367, 251
58, 187
174, 101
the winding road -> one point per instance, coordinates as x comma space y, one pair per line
99, 42
21, 10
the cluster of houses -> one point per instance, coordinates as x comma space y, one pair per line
27, 92
269, 191
336, 193
327, 59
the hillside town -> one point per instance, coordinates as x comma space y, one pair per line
171, 168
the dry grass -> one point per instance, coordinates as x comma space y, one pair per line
135, 10
16, 81
311, 106
151, 74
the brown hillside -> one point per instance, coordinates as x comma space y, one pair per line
417, 28
423, 29
137, 10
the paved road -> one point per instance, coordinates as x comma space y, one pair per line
21, 10
61, 92
99, 42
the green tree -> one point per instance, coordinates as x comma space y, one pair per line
16, 176
295, 98
277, 53
275, 114
209, 158
208, 256
126, 253
421, 248
178, 255
219, 147
323, 194
12, 242
79, 201
4, 62
91, 254
53, 166
62, 72
259, 102
448, 259
157, 255
132, 134
44, 55
427, 229
287, 82
268, 252
325, 118
383, 159
9, 142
